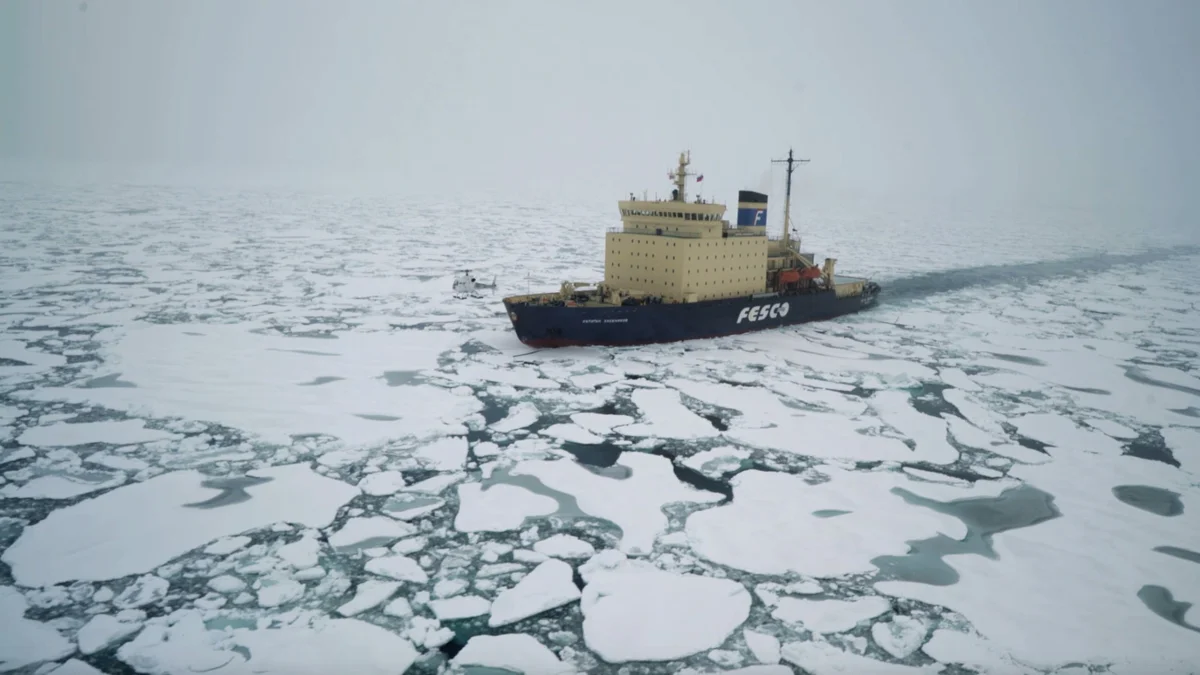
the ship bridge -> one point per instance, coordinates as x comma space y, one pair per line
687, 251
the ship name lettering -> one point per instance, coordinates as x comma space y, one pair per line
760, 312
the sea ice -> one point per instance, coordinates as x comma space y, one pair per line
140, 526
300, 642
1055, 567
398, 567
636, 612
24, 642
498, 507
104, 630
513, 652
227, 584
665, 416
564, 546
773, 527
62, 486
829, 616
368, 531
74, 667
598, 423
460, 607
899, 637
302, 553
519, 416
634, 503
124, 432
275, 386
765, 648
549, 585
444, 454
276, 592
436, 484
572, 433
382, 483
144, 590
822, 658
368, 595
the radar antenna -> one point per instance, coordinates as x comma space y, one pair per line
787, 200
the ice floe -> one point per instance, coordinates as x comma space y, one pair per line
104, 630
564, 546
1051, 568
513, 652
140, 526
764, 647
636, 612
398, 567
24, 642
548, 586
829, 616
180, 643
124, 432
779, 523
278, 386
822, 658
665, 416
498, 507
633, 504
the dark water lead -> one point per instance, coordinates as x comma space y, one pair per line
376, 418
233, 491
1160, 601
696, 479
109, 382
600, 455
396, 378
324, 379
1154, 500
1015, 358
929, 399
1138, 375
1022, 506
1151, 445
829, 513
1181, 553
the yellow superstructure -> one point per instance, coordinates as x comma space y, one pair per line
688, 252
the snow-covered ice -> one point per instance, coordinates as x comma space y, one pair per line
634, 503
513, 652
137, 527
564, 546
549, 585
23, 641
829, 616
498, 507
221, 441
635, 612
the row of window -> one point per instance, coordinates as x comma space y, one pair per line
719, 242
675, 270
670, 214
672, 283
705, 257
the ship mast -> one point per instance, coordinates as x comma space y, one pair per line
680, 176
787, 200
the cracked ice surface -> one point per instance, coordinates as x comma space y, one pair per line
118, 533
375, 448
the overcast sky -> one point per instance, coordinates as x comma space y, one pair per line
1063, 102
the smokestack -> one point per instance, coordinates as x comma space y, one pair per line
752, 209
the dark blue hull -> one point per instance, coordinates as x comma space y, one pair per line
562, 326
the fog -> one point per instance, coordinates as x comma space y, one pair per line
1065, 103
